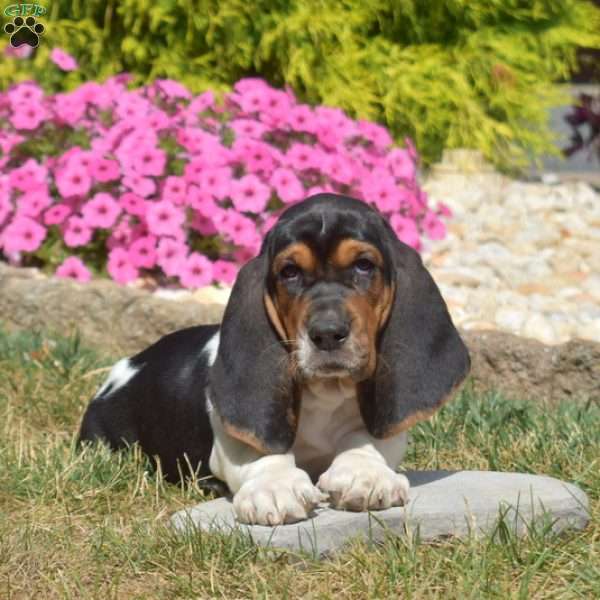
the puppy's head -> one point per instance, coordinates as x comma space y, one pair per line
330, 287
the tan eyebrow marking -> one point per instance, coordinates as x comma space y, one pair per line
299, 253
349, 250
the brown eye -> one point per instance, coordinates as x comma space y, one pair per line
290, 272
363, 266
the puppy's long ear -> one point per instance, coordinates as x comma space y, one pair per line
421, 357
249, 384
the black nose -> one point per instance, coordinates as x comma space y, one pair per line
328, 334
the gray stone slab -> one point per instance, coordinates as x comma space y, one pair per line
441, 504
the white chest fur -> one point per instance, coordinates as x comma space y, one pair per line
329, 413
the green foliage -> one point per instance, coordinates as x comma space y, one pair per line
459, 73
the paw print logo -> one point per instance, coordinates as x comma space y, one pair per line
24, 31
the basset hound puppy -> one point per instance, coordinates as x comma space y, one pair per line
334, 342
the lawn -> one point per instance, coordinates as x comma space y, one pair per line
95, 525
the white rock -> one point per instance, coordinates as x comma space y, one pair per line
511, 319
539, 328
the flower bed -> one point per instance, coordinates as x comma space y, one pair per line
158, 182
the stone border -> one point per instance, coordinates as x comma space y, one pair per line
123, 320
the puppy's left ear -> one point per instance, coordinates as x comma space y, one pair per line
421, 357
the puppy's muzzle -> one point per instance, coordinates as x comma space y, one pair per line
328, 330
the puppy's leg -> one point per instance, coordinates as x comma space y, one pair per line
268, 490
362, 476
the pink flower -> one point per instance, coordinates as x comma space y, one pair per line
120, 267
196, 272
287, 185
302, 118
77, 232
224, 271
56, 214
173, 89
444, 210
257, 156
150, 161
171, 255
249, 194
433, 227
381, 190
133, 204
216, 181
164, 218
5, 208
401, 164
74, 268
142, 252
29, 176
63, 60
406, 230
23, 235
24, 93
73, 181
32, 203
142, 186
174, 190
104, 169
376, 134
248, 128
28, 116
101, 211
300, 156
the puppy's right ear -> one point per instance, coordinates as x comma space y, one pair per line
250, 384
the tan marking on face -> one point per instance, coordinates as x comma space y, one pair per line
286, 311
349, 251
299, 254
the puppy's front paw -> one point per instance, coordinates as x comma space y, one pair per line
277, 497
360, 484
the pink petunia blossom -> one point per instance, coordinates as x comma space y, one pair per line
29, 116
196, 272
57, 214
74, 268
164, 218
406, 230
202, 201
63, 60
76, 232
256, 156
380, 189
73, 181
171, 256
29, 176
133, 204
120, 267
401, 164
216, 181
249, 194
203, 225
248, 128
104, 170
287, 185
142, 186
5, 208
174, 190
433, 227
301, 156
224, 271
173, 89
24, 93
32, 203
302, 118
142, 252
23, 234
150, 161
101, 211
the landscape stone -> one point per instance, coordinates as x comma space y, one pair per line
441, 504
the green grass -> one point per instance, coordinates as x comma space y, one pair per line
94, 524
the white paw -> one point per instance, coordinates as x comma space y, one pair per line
277, 497
358, 484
